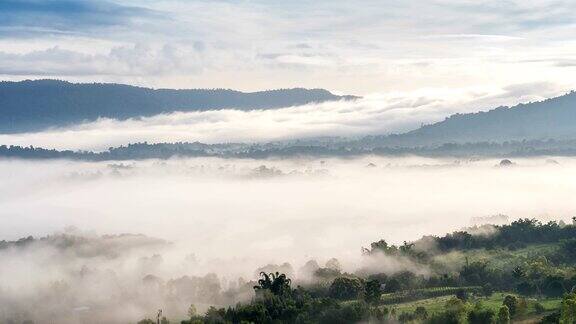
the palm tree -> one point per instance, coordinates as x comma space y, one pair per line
276, 283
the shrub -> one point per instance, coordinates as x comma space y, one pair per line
346, 288
421, 313
511, 302
503, 315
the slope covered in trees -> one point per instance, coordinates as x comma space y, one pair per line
535, 286
34, 105
520, 272
553, 118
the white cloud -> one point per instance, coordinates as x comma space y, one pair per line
122, 61
355, 47
214, 209
375, 114
233, 223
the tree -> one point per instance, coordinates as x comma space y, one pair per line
476, 273
392, 285
480, 315
457, 310
518, 272
455, 313
462, 295
404, 280
511, 302
194, 317
354, 312
146, 321
192, 312
554, 289
213, 316
553, 318
487, 290
569, 248
346, 288
381, 247
421, 313
278, 284
525, 288
333, 264
251, 313
503, 315
568, 309
372, 291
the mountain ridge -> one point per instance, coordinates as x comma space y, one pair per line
553, 118
33, 105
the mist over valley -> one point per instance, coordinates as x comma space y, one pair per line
287, 162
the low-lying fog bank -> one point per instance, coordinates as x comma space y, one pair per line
379, 113
216, 221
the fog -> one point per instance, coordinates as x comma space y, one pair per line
384, 113
229, 217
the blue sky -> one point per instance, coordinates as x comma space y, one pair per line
37, 18
347, 46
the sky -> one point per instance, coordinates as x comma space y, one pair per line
354, 47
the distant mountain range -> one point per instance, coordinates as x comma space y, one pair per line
540, 128
35, 105
549, 119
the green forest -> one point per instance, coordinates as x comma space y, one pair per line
523, 272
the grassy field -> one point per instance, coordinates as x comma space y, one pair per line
432, 305
425, 293
494, 302
496, 258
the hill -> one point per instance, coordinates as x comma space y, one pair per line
553, 118
520, 272
34, 105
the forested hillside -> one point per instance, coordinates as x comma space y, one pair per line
553, 118
34, 105
524, 271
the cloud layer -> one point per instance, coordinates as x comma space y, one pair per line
181, 200
361, 47
228, 217
376, 114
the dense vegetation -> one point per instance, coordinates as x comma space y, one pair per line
534, 284
522, 271
334, 147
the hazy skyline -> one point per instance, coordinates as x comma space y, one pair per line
394, 112
358, 47
425, 174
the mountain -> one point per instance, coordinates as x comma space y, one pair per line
549, 119
35, 105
